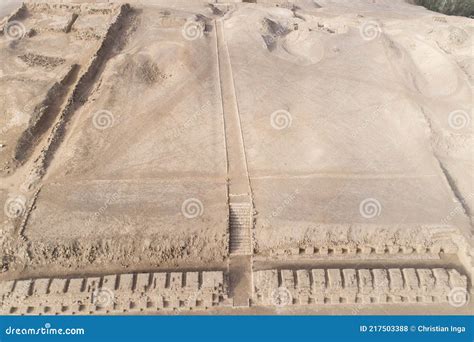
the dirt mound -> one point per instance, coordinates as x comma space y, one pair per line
272, 31
143, 70
47, 62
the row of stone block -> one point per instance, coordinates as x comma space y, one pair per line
449, 248
357, 285
124, 292
102, 8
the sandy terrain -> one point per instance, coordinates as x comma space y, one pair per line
266, 143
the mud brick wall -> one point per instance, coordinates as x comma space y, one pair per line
334, 286
133, 292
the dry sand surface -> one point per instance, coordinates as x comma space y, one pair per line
269, 157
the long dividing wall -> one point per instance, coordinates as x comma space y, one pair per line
366, 286
133, 292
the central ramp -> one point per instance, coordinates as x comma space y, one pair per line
240, 194
239, 186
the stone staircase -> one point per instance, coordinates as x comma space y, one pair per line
240, 223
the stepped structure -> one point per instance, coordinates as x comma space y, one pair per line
364, 286
123, 293
240, 224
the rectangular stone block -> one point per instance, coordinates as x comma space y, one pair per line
295, 251
411, 279
303, 299
143, 282
365, 281
192, 281
126, 282
287, 279
335, 298
427, 280
351, 250
421, 249
266, 280
318, 297
303, 279
139, 303
76, 286
159, 302
456, 279
396, 279
6, 288
190, 302
441, 277
92, 284
319, 280
176, 280
350, 297
380, 279
365, 299
350, 278
396, 299
212, 280
109, 282
22, 288
122, 305
57, 286
158, 281
40, 286
207, 300
393, 249
173, 302
334, 279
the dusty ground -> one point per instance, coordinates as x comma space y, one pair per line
132, 136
